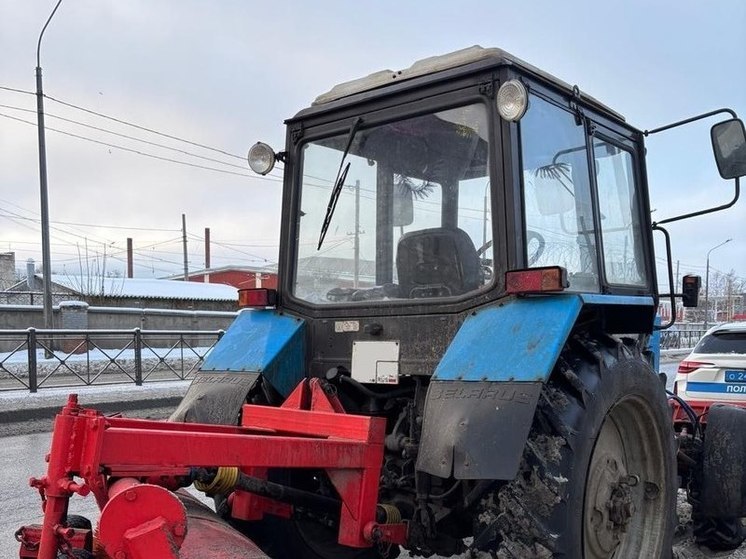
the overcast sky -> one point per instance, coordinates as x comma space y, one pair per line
225, 74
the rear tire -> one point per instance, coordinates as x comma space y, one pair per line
597, 476
719, 534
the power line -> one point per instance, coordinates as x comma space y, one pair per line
35, 214
15, 217
140, 127
93, 225
126, 123
126, 136
144, 154
257, 257
13, 89
120, 121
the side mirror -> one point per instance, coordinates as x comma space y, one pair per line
553, 189
729, 146
690, 290
403, 206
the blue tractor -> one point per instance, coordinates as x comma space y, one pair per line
467, 253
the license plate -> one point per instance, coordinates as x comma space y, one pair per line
735, 376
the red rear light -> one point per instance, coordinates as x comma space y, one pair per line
536, 280
257, 298
686, 367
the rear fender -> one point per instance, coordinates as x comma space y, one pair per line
483, 394
481, 401
259, 343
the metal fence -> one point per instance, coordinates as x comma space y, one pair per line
64, 358
680, 339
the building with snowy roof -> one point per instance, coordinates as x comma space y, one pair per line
127, 292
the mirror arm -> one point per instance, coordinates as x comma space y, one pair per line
707, 211
731, 112
670, 280
646, 133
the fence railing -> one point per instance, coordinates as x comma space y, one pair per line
64, 358
680, 339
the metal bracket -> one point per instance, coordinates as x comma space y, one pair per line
575, 106
487, 88
297, 134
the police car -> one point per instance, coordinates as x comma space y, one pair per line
715, 371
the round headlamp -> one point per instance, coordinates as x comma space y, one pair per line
261, 158
512, 100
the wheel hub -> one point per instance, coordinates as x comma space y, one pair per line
612, 505
623, 511
620, 505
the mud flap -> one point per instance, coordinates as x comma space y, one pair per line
476, 430
724, 467
215, 397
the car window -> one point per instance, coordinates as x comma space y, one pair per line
722, 342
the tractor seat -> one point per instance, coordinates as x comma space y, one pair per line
437, 262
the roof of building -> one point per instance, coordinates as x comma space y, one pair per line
145, 288
270, 269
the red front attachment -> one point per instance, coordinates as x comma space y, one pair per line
310, 430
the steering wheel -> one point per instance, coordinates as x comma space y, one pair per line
534, 238
531, 237
484, 248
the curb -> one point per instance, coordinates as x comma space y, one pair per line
24, 412
35, 414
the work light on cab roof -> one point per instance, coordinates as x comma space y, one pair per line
512, 100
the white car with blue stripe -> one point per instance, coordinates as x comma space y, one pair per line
715, 371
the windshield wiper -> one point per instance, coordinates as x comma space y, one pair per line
338, 182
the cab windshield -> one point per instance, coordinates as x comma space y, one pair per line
412, 219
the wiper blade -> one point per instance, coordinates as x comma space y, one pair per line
338, 182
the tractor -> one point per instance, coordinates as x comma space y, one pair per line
460, 357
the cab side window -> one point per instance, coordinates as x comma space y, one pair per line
620, 225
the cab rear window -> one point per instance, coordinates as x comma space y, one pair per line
722, 342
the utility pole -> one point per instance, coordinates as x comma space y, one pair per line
707, 282
674, 310
184, 242
207, 248
46, 253
356, 277
129, 258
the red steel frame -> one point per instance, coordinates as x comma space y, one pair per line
700, 408
310, 430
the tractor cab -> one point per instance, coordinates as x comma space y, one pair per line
409, 195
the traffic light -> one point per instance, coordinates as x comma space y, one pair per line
690, 290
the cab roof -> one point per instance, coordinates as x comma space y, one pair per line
458, 63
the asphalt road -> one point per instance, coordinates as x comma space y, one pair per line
22, 456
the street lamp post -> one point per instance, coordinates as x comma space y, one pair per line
46, 257
707, 281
